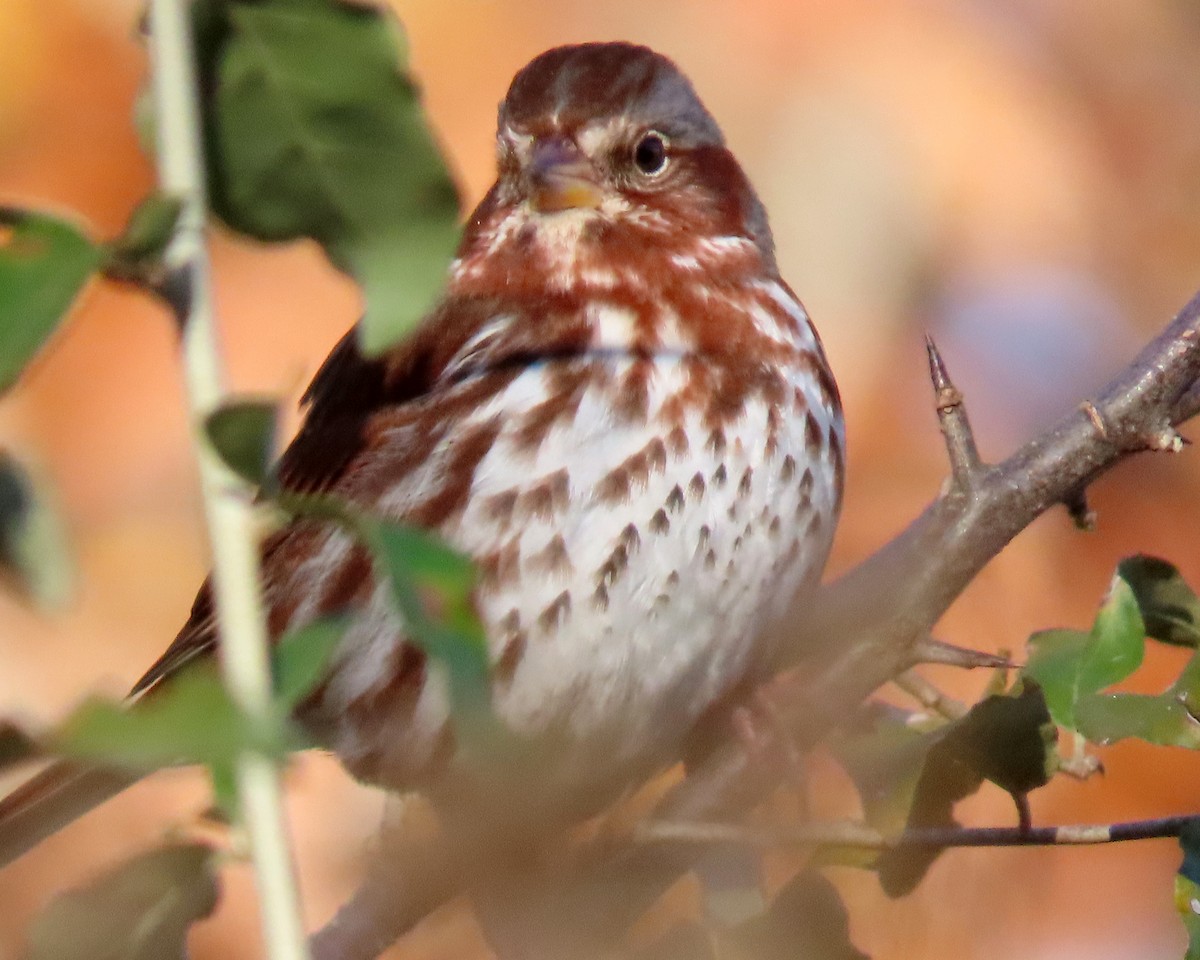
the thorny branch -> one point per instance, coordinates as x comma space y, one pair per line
871, 625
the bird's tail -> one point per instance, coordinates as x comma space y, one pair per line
49, 801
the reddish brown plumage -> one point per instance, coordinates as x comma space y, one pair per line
618, 409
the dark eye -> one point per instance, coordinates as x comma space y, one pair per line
650, 154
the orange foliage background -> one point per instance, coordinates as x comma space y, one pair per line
1021, 179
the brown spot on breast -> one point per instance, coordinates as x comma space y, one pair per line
501, 567
716, 442
600, 597
545, 498
659, 522
632, 402
617, 485
614, 566
813, 440
720, 476
710, 560
553, 558
788, 470
499, 507
696, 486
459, 473
630, 538
744, 483
515, 641
677, 441
675, 499
567, 387
556, 613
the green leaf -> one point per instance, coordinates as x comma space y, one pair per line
1187, 888
806, 919
1008, 740
189, 720
302, 655
1070, 666
1170, 608
314, 129
34, 556
1162, 720
432, 586
141, 910
884, 752
44, 263
146, 236
243, 434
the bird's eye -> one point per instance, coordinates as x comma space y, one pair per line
650, 154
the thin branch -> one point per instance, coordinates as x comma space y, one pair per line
231, 525
861, 836
929, 696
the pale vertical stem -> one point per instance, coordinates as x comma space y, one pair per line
239, 604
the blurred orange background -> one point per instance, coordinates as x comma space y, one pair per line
1021, 179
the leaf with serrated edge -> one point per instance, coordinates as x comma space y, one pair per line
140, 910
314, 129
44, 264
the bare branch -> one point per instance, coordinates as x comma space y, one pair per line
854, 834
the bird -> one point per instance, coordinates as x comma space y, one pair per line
617, 409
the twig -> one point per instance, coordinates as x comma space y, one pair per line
929, 696
244, 656
854, 834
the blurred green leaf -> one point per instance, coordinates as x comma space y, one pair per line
141, 910
301, 656
191, 719
314, 129
1187, 888
432, 586
807, 919
1070, 665
139, 248
16, 746
243, 434
44, 263
34, 555
884, 751
1170, 608
1008, 740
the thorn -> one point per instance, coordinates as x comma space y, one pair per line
952, 419
1093, 415
1083, 516
936, 651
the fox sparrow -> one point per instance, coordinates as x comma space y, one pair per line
618, 409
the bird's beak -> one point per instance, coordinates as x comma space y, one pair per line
561, 177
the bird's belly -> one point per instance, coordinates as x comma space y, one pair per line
633, 563
651, 590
